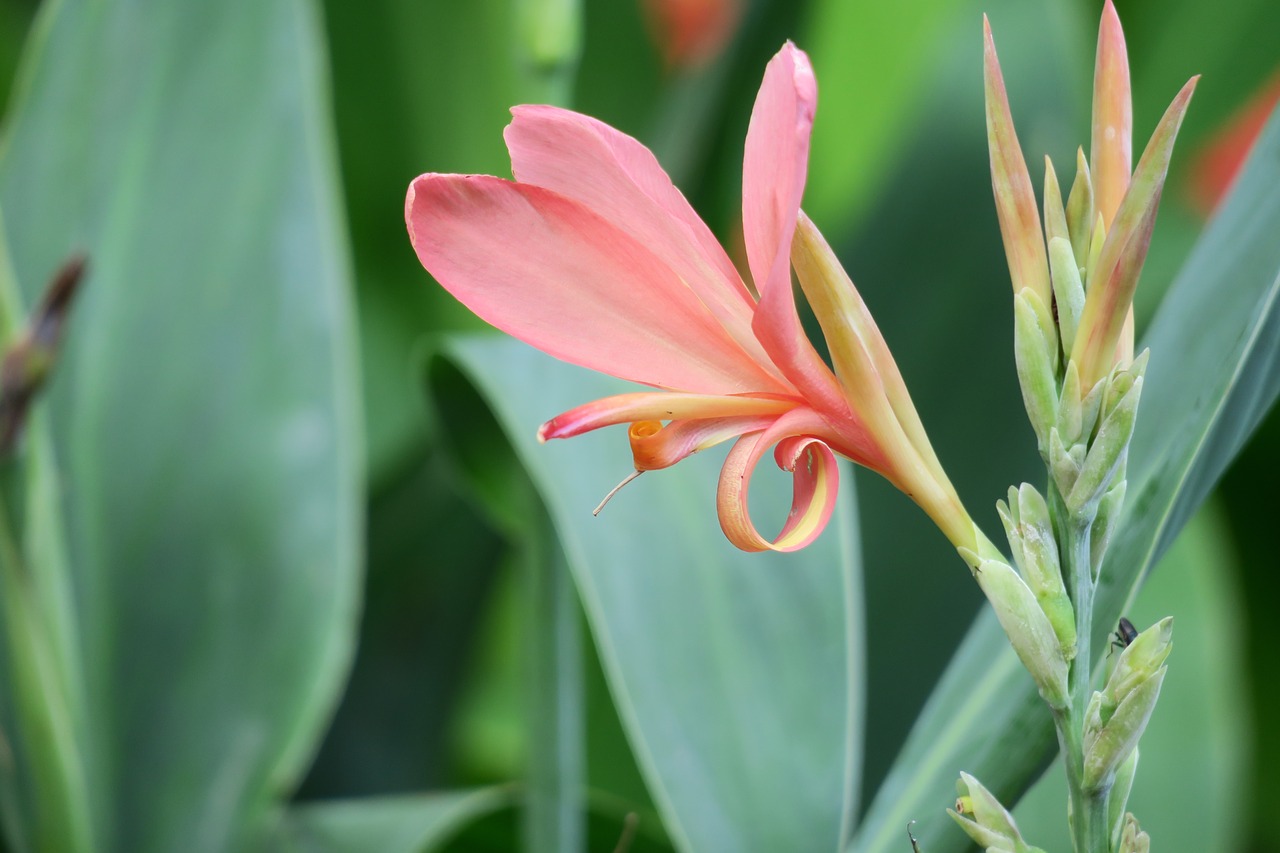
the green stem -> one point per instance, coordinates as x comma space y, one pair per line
58, 800
1089, 830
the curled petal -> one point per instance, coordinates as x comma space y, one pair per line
654, 446
658, 406
815, 483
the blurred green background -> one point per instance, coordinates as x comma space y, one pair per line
142, 130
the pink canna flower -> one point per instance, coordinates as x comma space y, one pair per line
593, 256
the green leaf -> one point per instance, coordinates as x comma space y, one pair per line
205, 412
874, 61
738, 677
414, 823
1189, 791
1215, 370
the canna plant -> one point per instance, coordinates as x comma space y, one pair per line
594, 257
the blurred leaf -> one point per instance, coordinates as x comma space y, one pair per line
1189, 793
205, 412
873, 61
738, 677
433, 562
409, 824
1215, 370
420, 86
931, 267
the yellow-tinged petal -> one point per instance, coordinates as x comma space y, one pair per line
815, 482
870, 379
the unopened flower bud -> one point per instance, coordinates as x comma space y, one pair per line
1104, 524
1029, 630
1138, 662
1132, 838
984, 820
1068, 289
1065, 462
1119, 796
1035, 348
1107, 453
1080, 210
1108, 740
1035, 550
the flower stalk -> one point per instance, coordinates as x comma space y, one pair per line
1074, 276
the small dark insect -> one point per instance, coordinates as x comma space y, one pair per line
1124, 635
915, 846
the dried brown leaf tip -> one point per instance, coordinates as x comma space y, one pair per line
29, 360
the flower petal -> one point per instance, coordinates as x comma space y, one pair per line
620, 179
658, 406
774, 166
815, 483
548, 271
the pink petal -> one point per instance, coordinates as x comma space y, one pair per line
815, 483
619, 179
657, 406
773, 175
548, 271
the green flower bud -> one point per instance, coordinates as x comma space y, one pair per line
1119, 796
1096, 241
1069, 405
1068, 289
1035, 349
1107, 452
1028, 628
1108, 742
1035, 550
1064, 462
1104, 524
984, 820
1132, 838
1138, 662
1080, 210
1089, 410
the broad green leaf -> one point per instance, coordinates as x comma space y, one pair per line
1189, 792
737, 677
205, 413
1215, 370
412, 823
